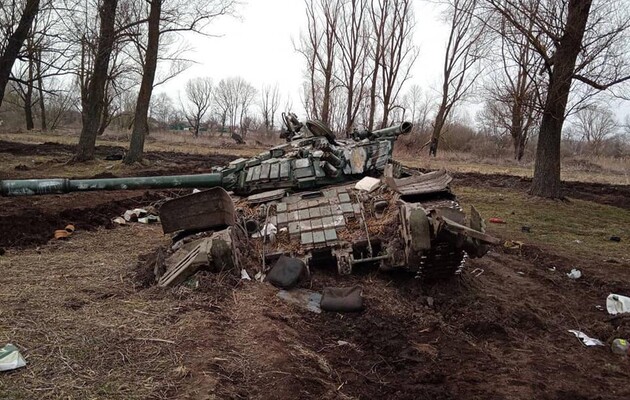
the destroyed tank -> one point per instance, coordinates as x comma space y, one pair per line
327, 201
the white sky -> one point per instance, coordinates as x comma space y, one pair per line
258, 46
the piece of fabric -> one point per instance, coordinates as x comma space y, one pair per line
348, 299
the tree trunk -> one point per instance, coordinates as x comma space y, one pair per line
140, 121
372, 111
40, 89
28, 97
14, 43
105, 120
96, 90
516, 130
440, 119
546, 181
519, 147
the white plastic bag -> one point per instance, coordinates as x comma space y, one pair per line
617, 304
10, 358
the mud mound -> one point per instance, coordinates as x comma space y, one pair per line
35, 226
613, 195
187, 162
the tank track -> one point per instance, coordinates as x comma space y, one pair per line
444, 259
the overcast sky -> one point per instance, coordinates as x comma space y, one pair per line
259, 46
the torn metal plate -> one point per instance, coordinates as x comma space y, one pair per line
206, 210
266, 196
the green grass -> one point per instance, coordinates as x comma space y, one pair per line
554, 224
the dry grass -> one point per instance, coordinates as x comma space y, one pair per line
575, 227
176, 142
599, 170
596, 169
72, 309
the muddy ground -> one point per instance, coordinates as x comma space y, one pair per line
89, 329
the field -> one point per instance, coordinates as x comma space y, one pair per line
91, 328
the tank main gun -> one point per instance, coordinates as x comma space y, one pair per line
312, 158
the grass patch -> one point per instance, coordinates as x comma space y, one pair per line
576, 227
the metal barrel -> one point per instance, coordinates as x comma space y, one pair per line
395, 130
27, 187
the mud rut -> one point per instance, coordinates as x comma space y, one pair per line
500, 335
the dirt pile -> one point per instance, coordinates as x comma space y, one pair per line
31, 226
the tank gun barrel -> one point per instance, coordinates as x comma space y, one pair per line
26, 187
395, 130
391, 132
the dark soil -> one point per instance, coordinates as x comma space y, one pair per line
23, 224
183, 162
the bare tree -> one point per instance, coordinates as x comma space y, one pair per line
13, 39
233, 97
352, 43
140, 122
162, 110
519, 86
418, 104
464, 50
199, 95
318, 46
379, 12
595, 124
398, 54
96, 88
576, 41
182, 16
269, 103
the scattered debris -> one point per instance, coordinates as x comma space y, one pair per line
286, 272
342, 299
149, 219
64, 233
214, 253
578, 241
10, 358
620, 346
575, 274
267, 230
496, 221
617, 304
477, 272
615, 239
303, 297
586, 340
119, 221
245, 275
133, 215
430, 301
513, 244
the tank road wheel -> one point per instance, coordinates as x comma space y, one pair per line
343, 262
